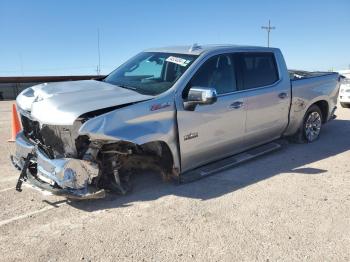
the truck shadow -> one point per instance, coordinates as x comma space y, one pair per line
292, 159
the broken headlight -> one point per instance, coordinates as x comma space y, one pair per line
29, 92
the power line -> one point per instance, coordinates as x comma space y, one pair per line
268, 29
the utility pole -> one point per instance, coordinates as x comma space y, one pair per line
98, 52
268, 29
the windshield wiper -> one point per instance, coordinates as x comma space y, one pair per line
125, 86
128, 87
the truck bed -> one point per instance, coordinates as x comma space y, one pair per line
300, 74
307, 88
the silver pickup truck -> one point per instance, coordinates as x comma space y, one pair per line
185, 112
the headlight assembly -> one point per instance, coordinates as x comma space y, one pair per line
29, 92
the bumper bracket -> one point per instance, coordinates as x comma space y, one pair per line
23, 175
67, 177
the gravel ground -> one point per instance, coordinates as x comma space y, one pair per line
290, 205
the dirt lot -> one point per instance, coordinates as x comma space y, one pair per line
293, 204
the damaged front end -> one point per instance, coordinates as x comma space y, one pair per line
127, 132
60, 160
69, 177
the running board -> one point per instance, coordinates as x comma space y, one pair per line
227, 163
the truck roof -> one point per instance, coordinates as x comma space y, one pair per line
198, 49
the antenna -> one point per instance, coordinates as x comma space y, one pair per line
195, 46
268, 29
98, 70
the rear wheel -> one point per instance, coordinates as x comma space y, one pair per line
310, 129
345, 105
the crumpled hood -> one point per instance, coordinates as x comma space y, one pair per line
61, 103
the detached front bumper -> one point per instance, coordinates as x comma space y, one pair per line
67, 177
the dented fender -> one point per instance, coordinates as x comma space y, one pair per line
141, 123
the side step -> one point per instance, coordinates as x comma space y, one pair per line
229, 162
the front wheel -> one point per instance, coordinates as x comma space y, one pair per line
311, 126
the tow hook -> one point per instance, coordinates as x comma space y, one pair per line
23, 175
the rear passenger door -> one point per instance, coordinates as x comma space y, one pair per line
268, 97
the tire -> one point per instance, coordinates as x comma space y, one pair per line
345, 105
310, 129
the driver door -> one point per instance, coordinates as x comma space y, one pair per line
211, 132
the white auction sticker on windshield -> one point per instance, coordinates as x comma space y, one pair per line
178, 60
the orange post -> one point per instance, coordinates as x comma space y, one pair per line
16, 125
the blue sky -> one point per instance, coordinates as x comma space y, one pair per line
60, 37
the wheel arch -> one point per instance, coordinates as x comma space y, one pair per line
300, 106
163, 150
324, 107
158, 150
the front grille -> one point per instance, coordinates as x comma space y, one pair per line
52, 138
31, 129
57, 141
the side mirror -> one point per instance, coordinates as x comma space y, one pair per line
200, 96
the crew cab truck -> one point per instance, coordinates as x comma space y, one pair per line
185, 112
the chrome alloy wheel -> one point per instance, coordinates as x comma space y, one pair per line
313, 126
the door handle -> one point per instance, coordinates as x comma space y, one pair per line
282, 95
236, 105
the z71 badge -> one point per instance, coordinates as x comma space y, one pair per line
191, 136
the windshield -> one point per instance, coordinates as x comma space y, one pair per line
150, 73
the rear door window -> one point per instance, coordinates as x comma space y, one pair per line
258, 69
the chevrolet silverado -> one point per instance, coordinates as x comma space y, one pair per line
185, 112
